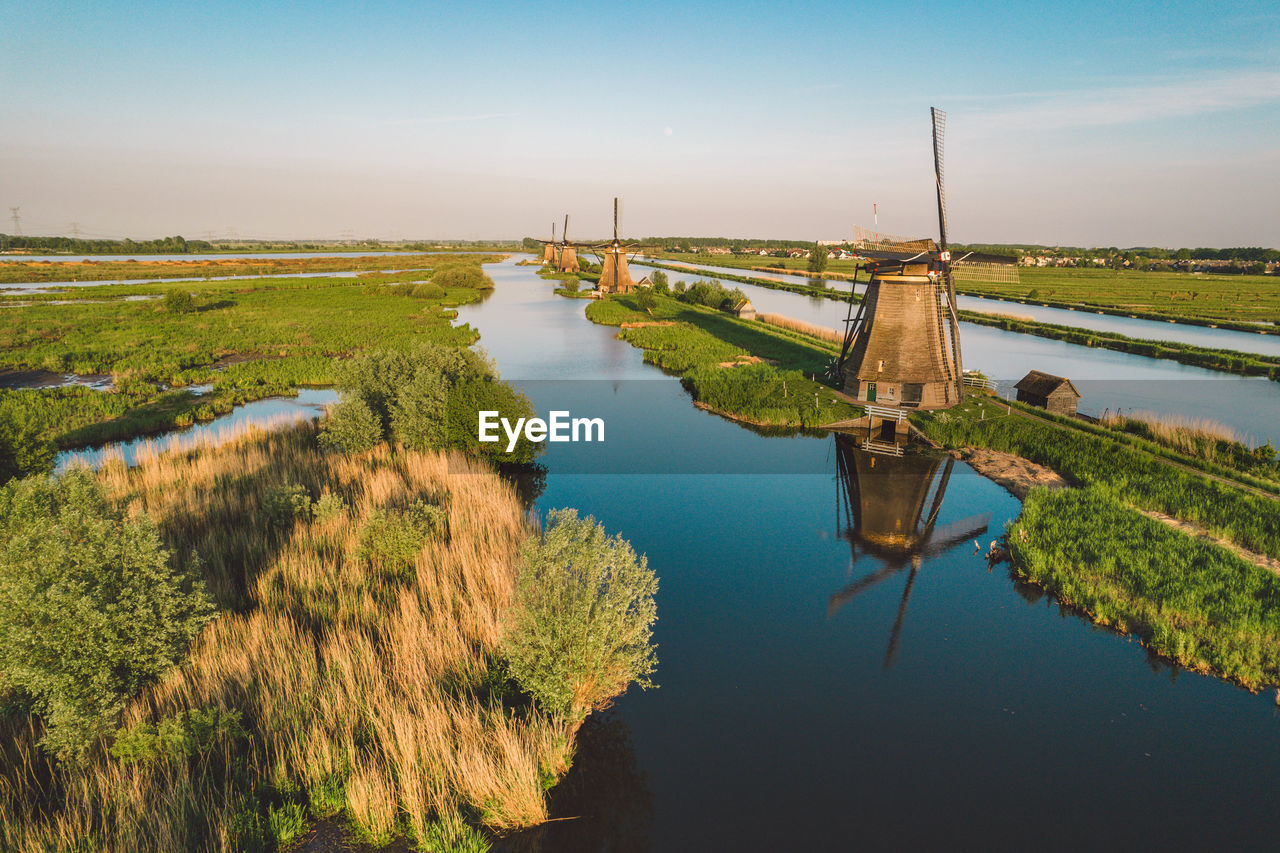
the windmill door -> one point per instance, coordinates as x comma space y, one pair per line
871, 392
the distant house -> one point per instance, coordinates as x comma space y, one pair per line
744, 310
1057, 394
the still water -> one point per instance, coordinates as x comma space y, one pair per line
821, 691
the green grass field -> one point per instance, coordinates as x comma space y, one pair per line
249, 339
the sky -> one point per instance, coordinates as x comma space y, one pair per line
1085, 123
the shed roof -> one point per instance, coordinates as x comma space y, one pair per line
1044, 384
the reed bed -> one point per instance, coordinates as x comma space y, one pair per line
831, 336
364, 693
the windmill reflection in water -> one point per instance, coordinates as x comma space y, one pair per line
888, 508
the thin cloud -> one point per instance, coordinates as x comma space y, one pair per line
449, 119
1132, 104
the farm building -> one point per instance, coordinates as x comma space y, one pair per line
744, 310
1055, 393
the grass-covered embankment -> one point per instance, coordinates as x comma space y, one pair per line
1187, 598
1225, 360
718, 358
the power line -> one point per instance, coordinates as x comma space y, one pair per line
17, 221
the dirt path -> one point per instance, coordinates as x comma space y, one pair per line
1019, 476
1260, 560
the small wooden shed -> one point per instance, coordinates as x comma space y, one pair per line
1057, 394
744, 310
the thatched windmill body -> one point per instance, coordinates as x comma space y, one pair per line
888, 508
567, 255
615, 275
902, 347
549, 247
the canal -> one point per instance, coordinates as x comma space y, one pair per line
820, 692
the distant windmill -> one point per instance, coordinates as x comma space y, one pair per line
615, 276
891, 504
549, 247
902, 347
566, 255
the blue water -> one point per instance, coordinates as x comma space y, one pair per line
783, 723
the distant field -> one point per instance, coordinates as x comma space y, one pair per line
1239, 298
16, 271
746, 262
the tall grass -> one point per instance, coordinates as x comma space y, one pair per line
791, 324
368, 693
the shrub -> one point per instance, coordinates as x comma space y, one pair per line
179, 302
351, 427
570, 284
659, 279
184, 735
329, 506
91, 607
391, 540
467, 275
645, 300
25, 446
430, 290
287, 504
581, 627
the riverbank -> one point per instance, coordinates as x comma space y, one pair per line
743, 369
1100, 547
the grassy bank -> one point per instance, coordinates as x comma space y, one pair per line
1188, 600
1227, 361
719, 357
249, 340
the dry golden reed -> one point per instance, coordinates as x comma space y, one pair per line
783, 322
364, 691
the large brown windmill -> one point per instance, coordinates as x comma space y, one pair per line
888, 508
615, 276
566, 253
902, 347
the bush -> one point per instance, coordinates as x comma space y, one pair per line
184, 735
645, 300
570, 284
467, 275
287, 504
391, 540
351, 427
659, 279
430, 290
25, 446
580, 630
91, 607
179, 302
329, 506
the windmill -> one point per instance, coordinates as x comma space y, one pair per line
615, 276
566, 255
891, 504
902, 347
549, 247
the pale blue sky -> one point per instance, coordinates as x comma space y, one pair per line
1094, 123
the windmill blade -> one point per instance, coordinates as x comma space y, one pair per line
844, 596
939, 132
896, 633
956, 533
564, 235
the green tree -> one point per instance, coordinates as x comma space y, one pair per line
92, 606
581, 629
25, 446
659, 279
818, 258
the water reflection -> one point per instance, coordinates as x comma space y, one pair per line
888, 506
602, 803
